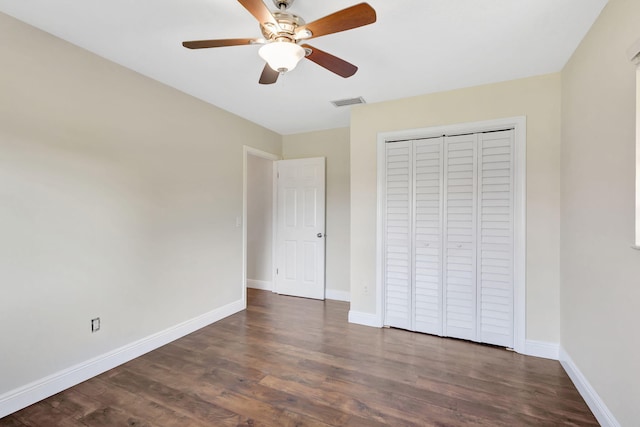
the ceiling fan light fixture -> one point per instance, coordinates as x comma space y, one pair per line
282, 56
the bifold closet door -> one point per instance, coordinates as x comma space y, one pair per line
495, 237
479, 211
449, 236
427, 244
478, 247
398, 235
460, 288
413, 235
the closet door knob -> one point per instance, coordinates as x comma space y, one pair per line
319, 235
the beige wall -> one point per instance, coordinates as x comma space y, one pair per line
334, 145
538, 99
600, 292
118, 199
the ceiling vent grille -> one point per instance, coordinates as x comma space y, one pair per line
349, 101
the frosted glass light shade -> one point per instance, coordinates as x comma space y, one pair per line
282, 56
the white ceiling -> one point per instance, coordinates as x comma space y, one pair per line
415, 47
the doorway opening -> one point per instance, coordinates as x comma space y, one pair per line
259, 213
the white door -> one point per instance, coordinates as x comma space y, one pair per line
428, 225
413, 235
300, 240
459, 282
448, 236
398, 235
495, 237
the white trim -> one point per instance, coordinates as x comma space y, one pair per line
246, 151
337, 295
547, 350
274, 227
596, 404
260, 284
520, 234
29, 394
366, 319
637, 165
381, 173
519, 124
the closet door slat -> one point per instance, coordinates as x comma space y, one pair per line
495, 237
459, 281
398, 235
427, 214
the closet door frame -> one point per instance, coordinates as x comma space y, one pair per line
518, 124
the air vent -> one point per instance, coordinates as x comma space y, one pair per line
349, 101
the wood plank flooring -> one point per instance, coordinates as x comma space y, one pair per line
295, 362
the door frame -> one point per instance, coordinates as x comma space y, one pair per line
247, 151
519, 124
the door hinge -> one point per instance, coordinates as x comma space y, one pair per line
276, 271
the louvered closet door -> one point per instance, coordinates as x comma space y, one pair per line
449, 236
398, 235
427, 161
460, 288
495, 240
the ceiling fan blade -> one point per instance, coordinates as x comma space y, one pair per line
203, 44
268, 76
345, 19
260, 11
330, 62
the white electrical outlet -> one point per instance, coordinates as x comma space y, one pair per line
95, 324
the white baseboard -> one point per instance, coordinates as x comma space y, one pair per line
260, 284
337, 295
366, 319
29, 394
588, 393
548, 350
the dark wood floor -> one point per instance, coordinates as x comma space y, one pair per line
295, 362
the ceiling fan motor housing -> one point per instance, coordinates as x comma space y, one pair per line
283, 4
288, 23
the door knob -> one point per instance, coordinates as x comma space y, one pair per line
319, 235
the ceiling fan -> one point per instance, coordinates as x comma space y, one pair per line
285, 35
